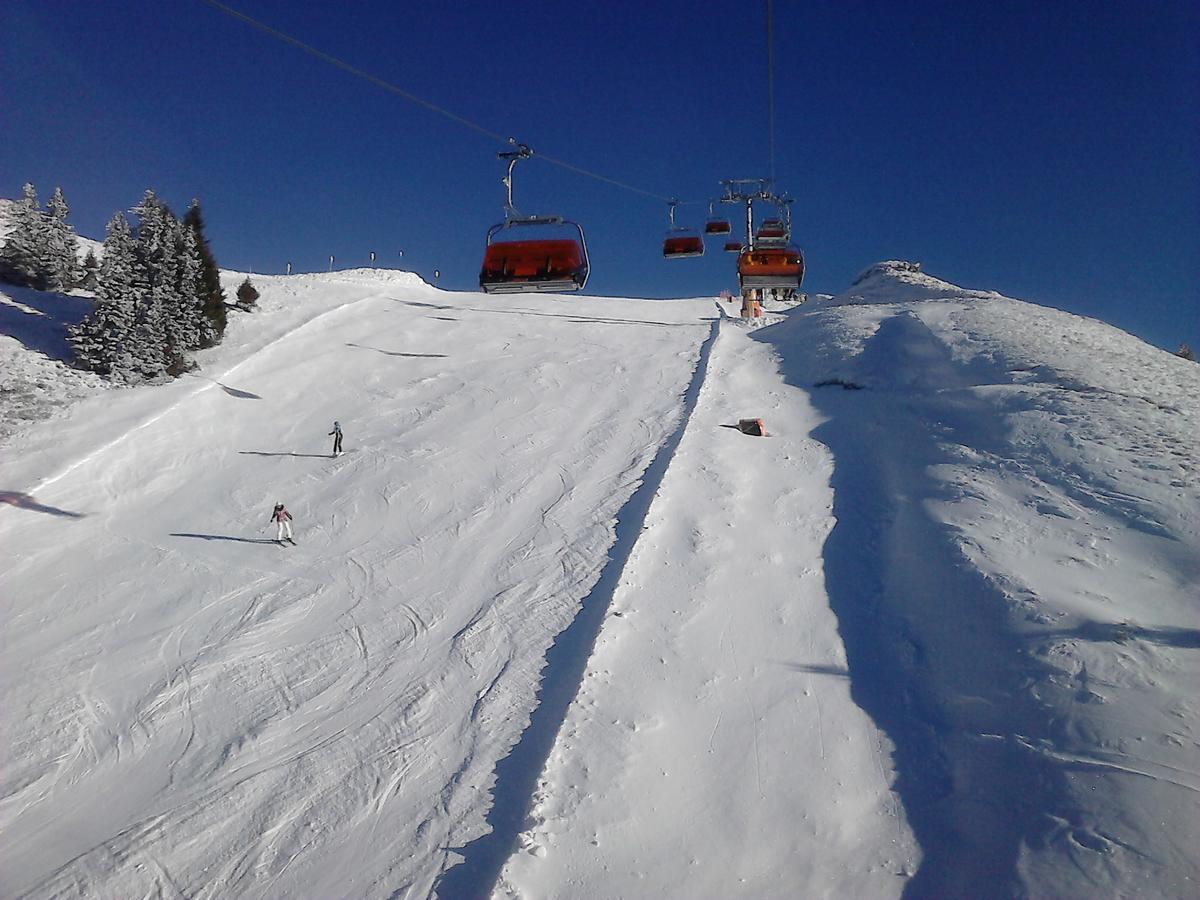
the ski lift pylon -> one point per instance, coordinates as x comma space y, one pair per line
551, 257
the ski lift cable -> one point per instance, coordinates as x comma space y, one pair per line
771, 87
413, 98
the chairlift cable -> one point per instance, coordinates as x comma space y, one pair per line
771, 87
353, 70
413, 98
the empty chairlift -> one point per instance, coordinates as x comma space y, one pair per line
681, 242
772, 233
779, 270
715, 224
532, 253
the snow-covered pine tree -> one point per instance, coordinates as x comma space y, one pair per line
104, 341
189, 287
214, 296
247, 295
23, 257
158, 351
62, 247
91, 269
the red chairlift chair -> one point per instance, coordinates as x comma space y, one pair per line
715, 224
549, 265
684, 244
546, 262
681, 242
772, 232
779, 268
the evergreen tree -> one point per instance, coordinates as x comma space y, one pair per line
247, 295
23, 257
152, 354
91, 267
104, 341
189, 288
1185, 352
158, 346
62, 247
213, 295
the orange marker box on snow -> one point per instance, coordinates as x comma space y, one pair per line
752, 426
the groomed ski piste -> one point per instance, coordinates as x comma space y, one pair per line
552, 628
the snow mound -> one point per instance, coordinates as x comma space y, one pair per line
361, 276
899, 281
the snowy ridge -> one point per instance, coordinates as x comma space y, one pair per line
935, 636
896, 281
1018, 550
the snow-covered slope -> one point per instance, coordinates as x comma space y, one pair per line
199, 707
550, 628
1016, 569
36, 379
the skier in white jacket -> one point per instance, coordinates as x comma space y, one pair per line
283, 519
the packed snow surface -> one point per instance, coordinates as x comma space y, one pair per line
552, 627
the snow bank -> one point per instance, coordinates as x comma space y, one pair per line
1016, 568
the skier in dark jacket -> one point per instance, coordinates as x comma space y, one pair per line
337, 439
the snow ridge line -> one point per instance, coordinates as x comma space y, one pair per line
211, 382
516, 775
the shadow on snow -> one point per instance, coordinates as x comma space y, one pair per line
26, 501
224, 537
285, 453
398, 352
932, 658
39, 319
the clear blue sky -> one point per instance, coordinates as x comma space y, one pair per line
1046, 150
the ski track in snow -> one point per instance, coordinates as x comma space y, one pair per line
693, 762
935, 636
303, 713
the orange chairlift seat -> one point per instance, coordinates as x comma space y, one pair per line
771, 232
771, 267
716, 224
681, 245
551, 265
544, 259
681, 242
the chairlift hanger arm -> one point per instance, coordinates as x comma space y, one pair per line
522, 151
